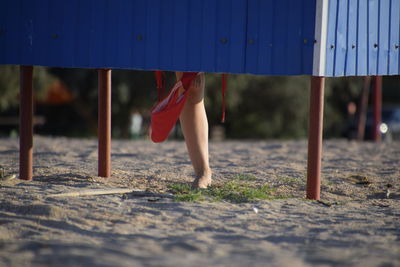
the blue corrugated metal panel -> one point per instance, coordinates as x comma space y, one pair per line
383, 37
255, 41
259, 43
55, 18
27, 26
223, 33
351, 36
295, 37
138, 30
68, 31
394, 42
3, 12
152, 40
12, 28
362, 37
96, 48
238, 27
209, 35
280, 37
82, 27
331, 38
181, 35
341, 38
308, 27
373, 38
255, 36
195, 21
124, 38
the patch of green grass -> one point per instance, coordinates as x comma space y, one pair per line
189, 197
235, 191
183, 192
291, 180
179, 188
239, 192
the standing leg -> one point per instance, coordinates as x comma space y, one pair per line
195, 130
315, 128
377, 99
25, 124
104, 122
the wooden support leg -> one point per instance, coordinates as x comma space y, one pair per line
377, 99
363, 108
315, 128
25, 123
104, 122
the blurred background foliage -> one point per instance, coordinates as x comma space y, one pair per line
257, 107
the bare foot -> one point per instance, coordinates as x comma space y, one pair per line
202, 181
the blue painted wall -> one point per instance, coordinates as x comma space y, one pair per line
269, 37
237, 36
363, 37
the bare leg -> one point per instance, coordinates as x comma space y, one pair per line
195, 130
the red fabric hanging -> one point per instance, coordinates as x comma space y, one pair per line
166, 112
224, 82
160, 83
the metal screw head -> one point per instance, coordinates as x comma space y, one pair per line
139, 37
353, 46
332, 46
54, 36
251, 41
223, 41
375, 45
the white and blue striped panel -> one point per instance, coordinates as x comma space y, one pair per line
357, 38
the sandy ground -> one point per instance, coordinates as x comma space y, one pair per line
359, 227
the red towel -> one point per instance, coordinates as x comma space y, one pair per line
166, 112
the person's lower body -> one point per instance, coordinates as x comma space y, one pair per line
194, 126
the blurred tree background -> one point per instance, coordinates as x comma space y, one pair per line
257, 107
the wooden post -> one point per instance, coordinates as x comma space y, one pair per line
26, 123
315, 129
362, 114
377, 102
104, 122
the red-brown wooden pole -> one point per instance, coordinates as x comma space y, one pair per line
315, 128
377, 102
104, 122
362, 118
25, 123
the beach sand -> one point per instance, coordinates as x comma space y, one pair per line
358, 223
